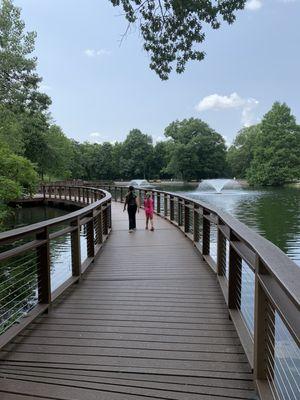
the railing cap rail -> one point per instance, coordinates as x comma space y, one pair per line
33, 228
284, 270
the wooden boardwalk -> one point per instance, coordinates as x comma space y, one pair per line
148, 321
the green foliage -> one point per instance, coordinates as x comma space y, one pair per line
59, 152
16, 170
18, 78
196, 150
136, 155
172, 30
241, 153
11, 133
277, 149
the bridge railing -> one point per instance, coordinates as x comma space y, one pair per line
30, 278
261, 286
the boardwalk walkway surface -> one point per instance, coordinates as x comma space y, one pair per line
148, 321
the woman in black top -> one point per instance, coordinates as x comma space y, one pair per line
132, 203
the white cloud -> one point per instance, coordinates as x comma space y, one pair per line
218, 102
233, 101
253, 5
96, 53
157, 139
97, 137
248, 112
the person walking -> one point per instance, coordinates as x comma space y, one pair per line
149, 208
132, 204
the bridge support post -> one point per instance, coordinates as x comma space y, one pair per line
105, 222
99, 227
158, 203
186, 216
196, 224
171, 208
221, 253
43, 269
205, 234
234, 277
75, 249
90, 239
179, 216
165, 205
264, 332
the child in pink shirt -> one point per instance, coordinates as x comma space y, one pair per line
149, 207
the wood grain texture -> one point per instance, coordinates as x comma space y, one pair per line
147, 321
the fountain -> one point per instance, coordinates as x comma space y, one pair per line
140, 183
218, 185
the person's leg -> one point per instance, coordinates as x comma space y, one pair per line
147, 221
130, 216
134, 209
151, 222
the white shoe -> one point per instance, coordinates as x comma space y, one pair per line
130, 231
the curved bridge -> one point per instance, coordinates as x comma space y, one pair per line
203, 308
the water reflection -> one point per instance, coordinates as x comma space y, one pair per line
22, 270
273, 213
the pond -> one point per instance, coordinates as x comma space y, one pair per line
18, 275
274, 212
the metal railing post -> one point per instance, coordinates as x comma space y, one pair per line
263, 323
76, 248
90, 238
196, 224
234, 277
205, 234
186, 216
172, 208
43, 270
165, 205
221, 253
158, 203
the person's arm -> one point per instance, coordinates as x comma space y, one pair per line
125, 203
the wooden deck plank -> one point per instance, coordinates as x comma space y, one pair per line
147, 321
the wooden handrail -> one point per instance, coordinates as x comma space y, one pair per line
276, 278
32, 242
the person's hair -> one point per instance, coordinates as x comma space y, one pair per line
148, 195
131, 188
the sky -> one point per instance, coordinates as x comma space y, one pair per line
102, 89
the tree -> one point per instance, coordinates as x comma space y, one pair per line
11, 132
241, 153
19, 81
17, 177
277, 149
59, 153
160, 160
173, 29
136, 155
35, 127
196, 150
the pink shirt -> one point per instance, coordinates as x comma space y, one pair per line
148, 204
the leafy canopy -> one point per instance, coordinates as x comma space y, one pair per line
18, 78
173, 29
241, 153
277, 149
196, 150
